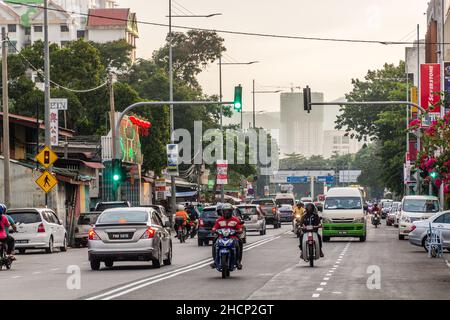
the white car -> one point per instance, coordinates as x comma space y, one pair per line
38, 229
416, 208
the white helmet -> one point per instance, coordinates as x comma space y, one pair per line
180, 207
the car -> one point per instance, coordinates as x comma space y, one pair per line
253, 218
392, 213
397, 215
129, 234
419, 234
286, 213
102, 206
160, 210
270, 211
85, 222
416, 208
385, 206
206, 222
38, 228
306, 199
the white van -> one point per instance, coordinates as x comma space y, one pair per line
343, 214
285, 198
416, 208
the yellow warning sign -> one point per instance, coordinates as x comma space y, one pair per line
46, 181
46, 157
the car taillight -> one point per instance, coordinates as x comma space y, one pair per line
41, 228
274, 210
149, 233
92, 235
201, 223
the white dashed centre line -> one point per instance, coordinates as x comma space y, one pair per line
316, 295
37, 272
323, 283
319, 289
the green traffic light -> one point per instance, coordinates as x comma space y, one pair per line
434, 175
116, 177
238, 98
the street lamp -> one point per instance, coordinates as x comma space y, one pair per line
173, 199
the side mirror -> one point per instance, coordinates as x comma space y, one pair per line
61, 222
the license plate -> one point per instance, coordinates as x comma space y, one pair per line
120, 236
21, 241
342, 232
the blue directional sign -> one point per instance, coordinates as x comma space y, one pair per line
297, 179
326, 179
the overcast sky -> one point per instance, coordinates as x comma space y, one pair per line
324, 66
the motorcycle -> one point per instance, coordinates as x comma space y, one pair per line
310, 245
376, 220
194, 229
225, 252
297, 227
4, 260
180, 229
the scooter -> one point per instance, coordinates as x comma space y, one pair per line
297, 227
181, 230
194, 229
225, 252
376, 220
310, 245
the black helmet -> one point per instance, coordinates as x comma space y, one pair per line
225, 210
310, 208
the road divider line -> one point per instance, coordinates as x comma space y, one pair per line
319, 289
323, 283
167, 275
316, 295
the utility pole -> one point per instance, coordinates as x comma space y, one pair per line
6, 169
112, 117
173, 198
222, 186
254, 118
419, 111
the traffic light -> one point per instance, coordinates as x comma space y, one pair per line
117, 172
434, 175
307, 99
238, 98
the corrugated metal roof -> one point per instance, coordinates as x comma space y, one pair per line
108, 17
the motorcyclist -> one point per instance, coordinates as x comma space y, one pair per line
311, 218
181, 213
297, 214
193, 215
376, 211
228, 221
5, 238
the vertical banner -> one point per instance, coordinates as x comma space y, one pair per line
414, 99
54, 141
222, 171
160, 189
172, 159
447, 83
430, 86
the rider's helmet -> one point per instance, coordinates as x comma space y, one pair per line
2, 209
226, 210
301, 205
180, 207
310, 208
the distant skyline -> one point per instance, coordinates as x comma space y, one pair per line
326, 67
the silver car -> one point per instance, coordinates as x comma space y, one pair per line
440, 221
129, 234
253, 218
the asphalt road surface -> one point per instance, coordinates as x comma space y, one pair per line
380, 268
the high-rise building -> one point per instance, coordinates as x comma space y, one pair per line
336, 142
301, 132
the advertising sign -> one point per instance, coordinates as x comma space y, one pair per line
58, 104
54, 127
349, 176
430, 86
222, 171
172, 159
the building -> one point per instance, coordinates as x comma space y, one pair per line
301, 132
411, 58
335, 142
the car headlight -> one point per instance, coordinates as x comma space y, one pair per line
359, 220
406, 219
327, 220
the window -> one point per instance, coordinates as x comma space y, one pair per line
439, 219
37, 28
337, 140
12, 28
447, 218
27, 31
420, 205
345, 140
12, 46
119, 217
25, 217
342, 203
81, 34
64, 28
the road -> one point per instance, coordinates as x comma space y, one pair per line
272, 270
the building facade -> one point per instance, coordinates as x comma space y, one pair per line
336, 142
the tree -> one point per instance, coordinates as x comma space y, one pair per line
115, 55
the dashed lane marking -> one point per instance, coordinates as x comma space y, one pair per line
316, 295
323, 283
319, 289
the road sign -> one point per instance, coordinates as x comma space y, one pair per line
58, 104
46, 157
46, 181
326, 179
297, 179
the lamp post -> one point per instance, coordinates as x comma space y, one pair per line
173, 200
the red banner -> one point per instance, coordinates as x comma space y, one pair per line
430, 86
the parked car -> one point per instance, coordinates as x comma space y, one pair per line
85, 222
38, 228
397, 215
392, 213
253, 218
129, 234
270, 211
102, 206
416, 208
286, 213
206, 222
419, 234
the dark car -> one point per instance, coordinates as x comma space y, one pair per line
206, 222
286, 213
85, 222
270, 211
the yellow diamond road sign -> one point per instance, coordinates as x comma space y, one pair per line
46, 157
46, 181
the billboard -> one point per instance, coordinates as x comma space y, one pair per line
430, 87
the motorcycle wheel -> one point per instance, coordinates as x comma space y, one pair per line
180, 237
224, 265
311, 255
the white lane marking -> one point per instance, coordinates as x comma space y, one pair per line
337, 262
326, 278
16, 277
336, 292
316, 295
331, 271
148, 281
319, 289
448, 263
37, 272
323, 283
54, 269
328, 274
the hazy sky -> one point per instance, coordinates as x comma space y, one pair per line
326, 67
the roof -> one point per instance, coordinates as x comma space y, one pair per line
108, 17
31, 122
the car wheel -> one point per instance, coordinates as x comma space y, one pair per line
95, 265
49, 249
157, 262
168, 261
109, 263
200, 242
362, 239
401, 237
64, 247
22, 251
261, 233
326, 239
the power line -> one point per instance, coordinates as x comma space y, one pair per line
242, 33
42, 73
183, 7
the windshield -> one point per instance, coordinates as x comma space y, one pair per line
103, 207
285, 201
423, 206
123, 217
25, 217
263, 202
248, 211
343, 203
209, 213
387, 204
87, 219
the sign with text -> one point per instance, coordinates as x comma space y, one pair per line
58, 103
303, 179
172, 159
222, 171
349, 175
430, 87
54, 127
325, 179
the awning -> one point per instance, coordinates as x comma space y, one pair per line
184, 194
93, 165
